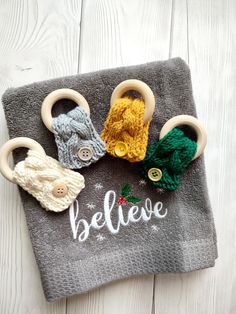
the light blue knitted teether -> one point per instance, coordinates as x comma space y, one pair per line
77, 141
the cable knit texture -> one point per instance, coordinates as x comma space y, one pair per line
38, 174
73, 131
125, 123
172, 154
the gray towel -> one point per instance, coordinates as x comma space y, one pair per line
97, 240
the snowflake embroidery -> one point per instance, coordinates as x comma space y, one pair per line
100, 237
142, 182
90, 205
154, 228
160, 191
98, 186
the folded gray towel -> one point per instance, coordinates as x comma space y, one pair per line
101, 238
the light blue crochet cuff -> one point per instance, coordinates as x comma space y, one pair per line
77, 141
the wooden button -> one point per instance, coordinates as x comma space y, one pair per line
60, 190
121, 149
154, 174
85, 153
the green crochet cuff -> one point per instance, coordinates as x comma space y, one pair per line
171, 156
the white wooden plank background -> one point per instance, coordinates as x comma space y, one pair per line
45, 39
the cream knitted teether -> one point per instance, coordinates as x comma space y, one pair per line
42, 176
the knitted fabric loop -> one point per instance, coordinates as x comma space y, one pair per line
172, 154
125, 123
38, 174
73, 131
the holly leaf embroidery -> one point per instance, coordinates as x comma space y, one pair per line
125, 190
133, 199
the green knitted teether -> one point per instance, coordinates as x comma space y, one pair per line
172, 154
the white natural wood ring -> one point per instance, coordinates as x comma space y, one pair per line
141, 88
53, 97
194, 123
9, 146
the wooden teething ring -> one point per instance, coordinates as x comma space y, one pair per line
53, 97
194, 123
141, 88
9, 146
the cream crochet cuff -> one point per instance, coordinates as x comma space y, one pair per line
52, 185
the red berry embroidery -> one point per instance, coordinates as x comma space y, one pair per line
122, 200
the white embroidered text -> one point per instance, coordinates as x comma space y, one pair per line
81, 228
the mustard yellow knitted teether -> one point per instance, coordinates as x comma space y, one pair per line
125, 130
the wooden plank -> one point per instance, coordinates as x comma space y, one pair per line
39, 40
116, 33
179, 30
212, 49
120, 32
125, 296
211, 41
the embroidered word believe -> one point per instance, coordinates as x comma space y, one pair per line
102, 219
